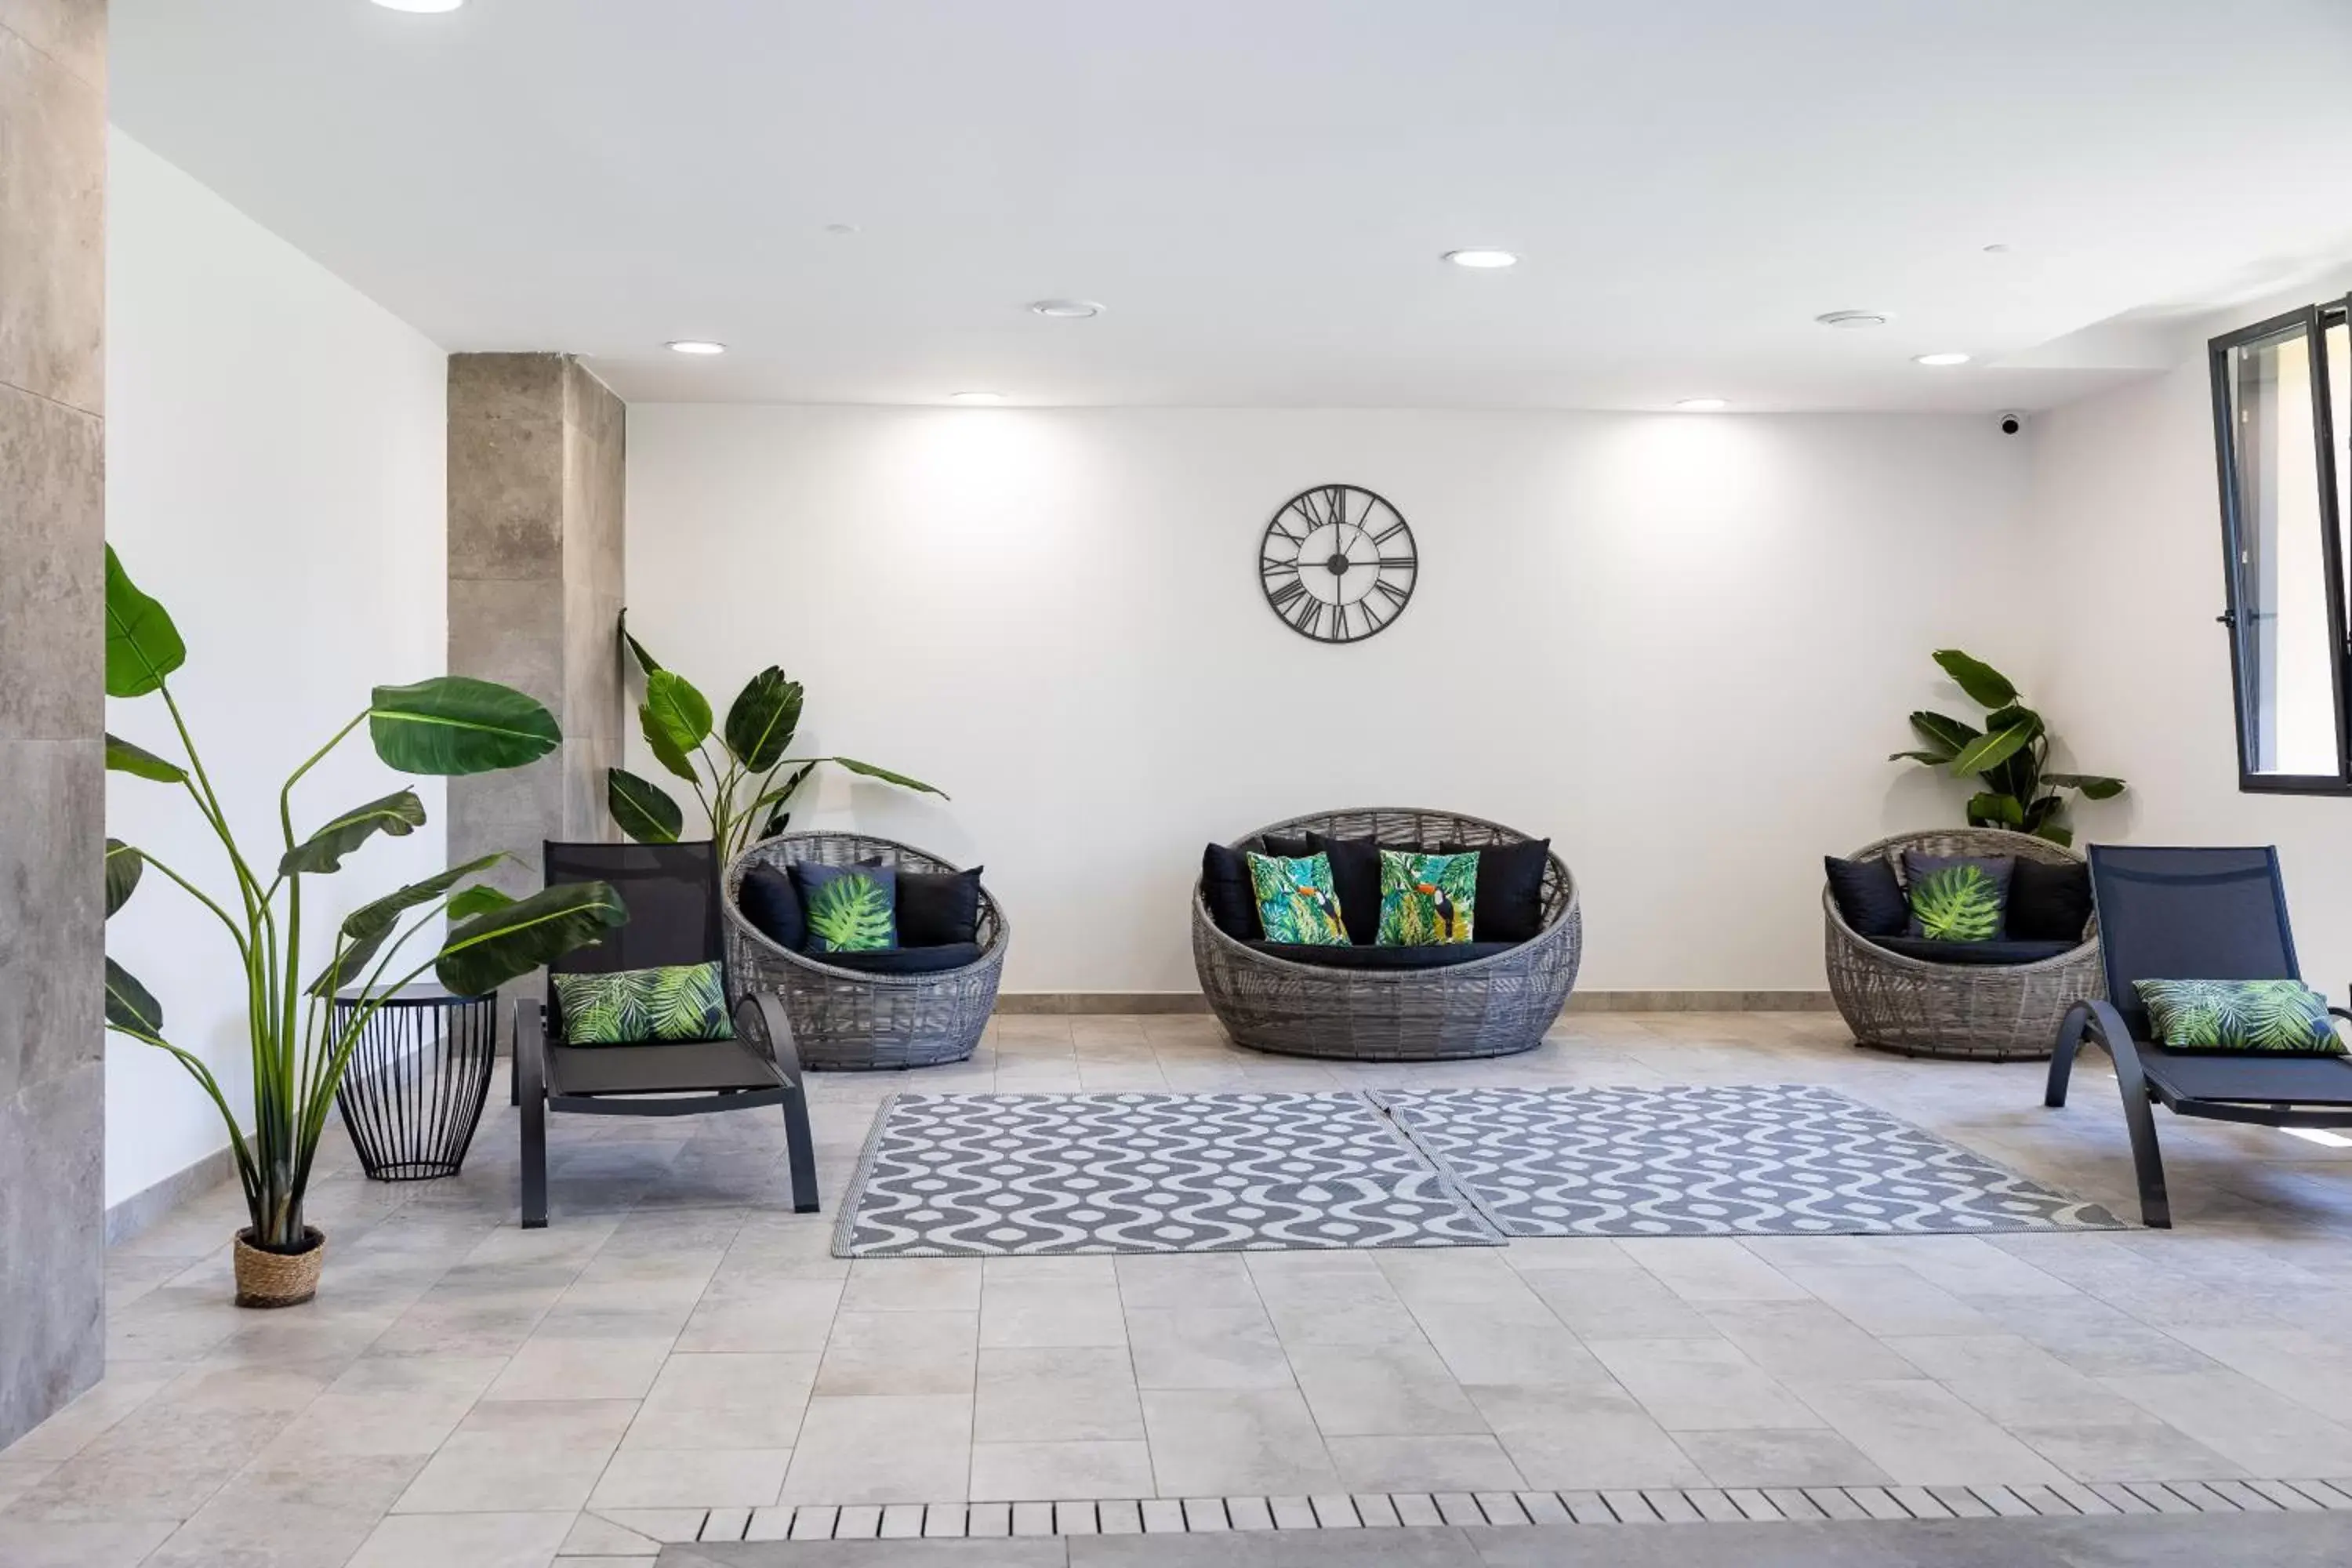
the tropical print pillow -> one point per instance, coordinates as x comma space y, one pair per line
1427, 900
1296, 901
1958, 898
635, 1007
2239, 1015
850, 909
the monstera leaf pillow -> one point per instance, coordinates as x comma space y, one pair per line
1427, 900
2285, 1016
1958, 898
1296, 901
672, 1004
850, 909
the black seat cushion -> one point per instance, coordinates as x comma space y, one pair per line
1868, 897
1510, 888
2238, 1076
1226, 891
772, 905
2049, 902
904, 960
1370, 957
1999, 953
701, 1066
938, 909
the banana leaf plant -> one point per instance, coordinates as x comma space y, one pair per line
301, 1042
736, 786
2007, 755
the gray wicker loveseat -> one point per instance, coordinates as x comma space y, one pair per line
1490, 1007
844, 1019
1997, 1012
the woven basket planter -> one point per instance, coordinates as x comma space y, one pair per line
2007, 1013
848, 1020
1490, 1008
278, 1278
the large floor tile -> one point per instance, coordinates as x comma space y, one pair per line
1205, 1347
1384, 1390
747, 1401
507, 1539
1059, 1395
1574, 1438
1236, 1442
692, 1478
1047, 1314
513, 1455
900, 1353
1922, 1433
881, 1449
1697, 1385
1043, 1472
1424, 1464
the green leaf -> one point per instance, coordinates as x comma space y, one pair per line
2095, 786
478, 900
493, 947
1933, 759
123, 865
1981, 681
778, 820
129, 1004
668, 755
761, 723
1987, 752
122, 757
641, 808
674, 708
646, 661
1991, 810
1944, 734
887, 776
1958, 903
365, 929
849, 914
2043, 809
396, 816
454, 724
142, 645
2064, 836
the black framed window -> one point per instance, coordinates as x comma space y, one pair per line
2282, 419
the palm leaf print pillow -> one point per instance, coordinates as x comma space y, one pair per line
1427, 900
2239, 1015
1296, 901
1958, 898
671, 1004
850, 909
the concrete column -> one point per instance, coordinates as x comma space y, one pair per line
52, 717
535, 482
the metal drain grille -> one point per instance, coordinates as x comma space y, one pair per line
1375, 1510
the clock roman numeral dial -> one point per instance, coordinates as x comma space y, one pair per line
1337, 564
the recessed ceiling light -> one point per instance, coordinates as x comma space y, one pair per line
1701, 405
696, 346
1484, 260
1851, 319
1066, 309
1954, 357
422, 7
977, 397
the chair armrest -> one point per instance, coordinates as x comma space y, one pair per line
769, 1032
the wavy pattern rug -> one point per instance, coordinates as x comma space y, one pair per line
964, 1175
1716, 1160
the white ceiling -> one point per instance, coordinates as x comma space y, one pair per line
1259, 190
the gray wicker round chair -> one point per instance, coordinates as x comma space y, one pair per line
847, 1019
1488, 1008
1991, 1012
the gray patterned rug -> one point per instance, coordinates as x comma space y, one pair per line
967, 1175
1716, 1160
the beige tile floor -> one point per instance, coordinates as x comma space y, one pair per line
464, 1391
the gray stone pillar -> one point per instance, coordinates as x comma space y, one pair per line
52, 715
535, 475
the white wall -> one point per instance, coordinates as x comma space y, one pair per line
2126, 524
1680, 646
274, 476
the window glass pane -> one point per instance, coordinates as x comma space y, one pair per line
2287, 645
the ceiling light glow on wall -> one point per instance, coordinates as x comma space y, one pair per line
696, 346
1951, 358
1702, 405
1850, 319
977, 399
1483, 260
1066, 309
422, 7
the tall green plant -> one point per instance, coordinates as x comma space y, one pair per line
2007, 755
736, 786
301, 1044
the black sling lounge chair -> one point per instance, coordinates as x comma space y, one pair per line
2193, 914
671, 891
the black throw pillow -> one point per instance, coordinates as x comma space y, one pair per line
1226, 889
1356, 878
1289, 846
772, 905
2049, 902
939, 908
1510, 888
1868, 896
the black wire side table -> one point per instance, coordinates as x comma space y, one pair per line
412, 1094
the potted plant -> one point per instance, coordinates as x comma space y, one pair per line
2007, 755
300, 1041
736, 788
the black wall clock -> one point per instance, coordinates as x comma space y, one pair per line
1337, 564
